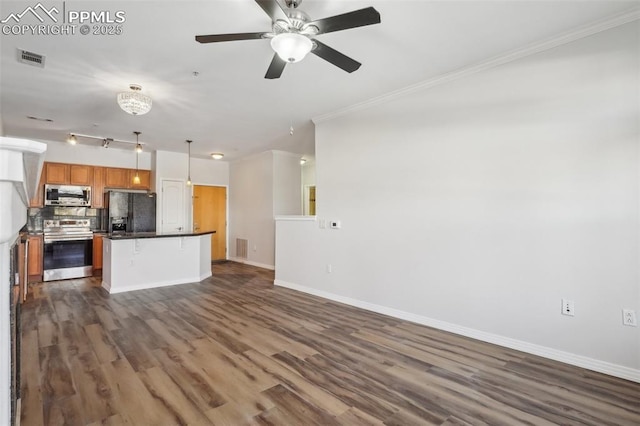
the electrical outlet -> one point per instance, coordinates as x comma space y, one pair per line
568, 307
629, 318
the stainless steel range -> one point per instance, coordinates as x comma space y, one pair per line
68, 249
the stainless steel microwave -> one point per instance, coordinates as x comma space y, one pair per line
67, 195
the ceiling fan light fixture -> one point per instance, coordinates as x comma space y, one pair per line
134, 102
217, 155
291, 47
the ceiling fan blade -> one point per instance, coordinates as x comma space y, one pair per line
357, 18
273, 9
276, 67
214, 38
336, 58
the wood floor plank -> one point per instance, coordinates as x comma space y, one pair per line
303, 387
30, 394
101, 342
95, 394
190, 379
56, 379
235, 350
174, 399
132, 398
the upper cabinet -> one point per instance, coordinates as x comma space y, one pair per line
97, 200
38, 198
80, 174
57, 173
69, 174
99, 178
116, 178
145, 179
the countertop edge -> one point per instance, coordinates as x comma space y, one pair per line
141, 235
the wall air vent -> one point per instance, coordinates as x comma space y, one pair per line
242, 248
30, 58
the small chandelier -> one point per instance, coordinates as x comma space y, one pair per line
134, 102
291, 47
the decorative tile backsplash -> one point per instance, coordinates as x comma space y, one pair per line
38, 215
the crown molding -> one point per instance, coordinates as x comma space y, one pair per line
531, 49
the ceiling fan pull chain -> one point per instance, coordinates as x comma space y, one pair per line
291, 110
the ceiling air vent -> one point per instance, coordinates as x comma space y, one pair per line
30, 58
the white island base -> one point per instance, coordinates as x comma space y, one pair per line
131, 263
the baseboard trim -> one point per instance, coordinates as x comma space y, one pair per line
249, 262
507, 342
154, 285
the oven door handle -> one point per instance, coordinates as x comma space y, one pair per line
56, 240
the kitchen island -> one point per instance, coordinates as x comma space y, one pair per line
136, 261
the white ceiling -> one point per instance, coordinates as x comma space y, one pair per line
230, 107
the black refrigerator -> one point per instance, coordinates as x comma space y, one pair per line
135, 210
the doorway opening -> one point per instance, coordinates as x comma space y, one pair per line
309, 208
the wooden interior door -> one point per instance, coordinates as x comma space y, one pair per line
210, 214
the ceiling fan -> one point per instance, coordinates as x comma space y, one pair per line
293, 35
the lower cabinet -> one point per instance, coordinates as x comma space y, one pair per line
97, 254
35, 258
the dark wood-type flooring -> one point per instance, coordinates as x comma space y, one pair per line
236, 350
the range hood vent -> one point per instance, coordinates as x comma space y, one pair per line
30, 58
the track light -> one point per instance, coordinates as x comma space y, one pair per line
72, 139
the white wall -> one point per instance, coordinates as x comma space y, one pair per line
251, 208
261, 187
287, 184
476, 205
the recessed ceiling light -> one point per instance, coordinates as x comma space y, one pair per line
217, 155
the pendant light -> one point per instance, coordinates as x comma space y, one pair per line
189, 163
136, 178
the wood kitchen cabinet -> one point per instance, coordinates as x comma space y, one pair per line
38, 197
80, 174
97, 254
145, 179
69, 174
97, 198
57, 173
35, 258
116, 177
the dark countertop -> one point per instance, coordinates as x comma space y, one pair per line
138, 235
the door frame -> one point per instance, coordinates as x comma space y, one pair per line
226, 210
